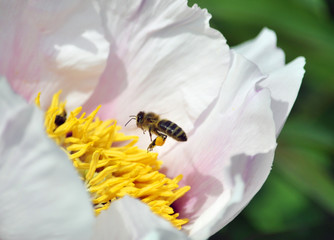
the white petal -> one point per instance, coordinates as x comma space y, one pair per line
284, 84
240, 124
41, 196
129, 218
283, 80
47, 46
249, 173
164, 58
263, 51
243, 76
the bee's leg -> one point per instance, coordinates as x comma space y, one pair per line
151, 146
158, 141
143, 130
150, 132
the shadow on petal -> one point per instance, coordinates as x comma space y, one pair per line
112, 82
253, 171
207, 186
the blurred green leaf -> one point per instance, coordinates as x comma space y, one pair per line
280, 207
317, 7
304, 169
301, 30
302, 133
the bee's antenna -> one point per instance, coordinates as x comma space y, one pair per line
132, 118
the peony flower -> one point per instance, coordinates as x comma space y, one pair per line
153, 55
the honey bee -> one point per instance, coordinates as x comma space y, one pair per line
162, 128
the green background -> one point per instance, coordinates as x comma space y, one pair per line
297, 200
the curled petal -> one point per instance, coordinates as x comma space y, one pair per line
283, 80
151, 63
284, 84
42, 196
263, 51
129, 218
221, 179
47, 46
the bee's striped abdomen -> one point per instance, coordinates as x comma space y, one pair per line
172, 130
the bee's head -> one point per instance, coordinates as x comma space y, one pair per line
140, 119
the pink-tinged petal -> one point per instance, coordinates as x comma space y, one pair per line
283, 80
242, 76
164, 57
129, 218
263, 51
240, 124
42, 196
51, 45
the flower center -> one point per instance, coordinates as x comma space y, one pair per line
109, 163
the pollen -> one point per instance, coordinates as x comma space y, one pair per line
159, 141
109, 163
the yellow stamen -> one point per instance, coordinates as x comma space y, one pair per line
37, 100
109, 162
